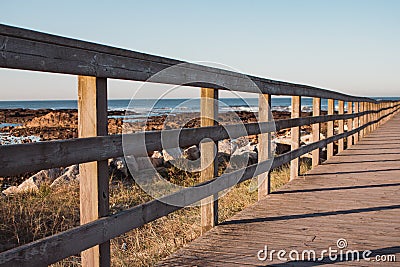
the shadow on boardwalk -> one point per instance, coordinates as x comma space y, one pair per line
354, 196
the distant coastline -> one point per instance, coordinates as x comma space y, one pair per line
163, 106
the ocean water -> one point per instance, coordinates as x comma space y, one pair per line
164, 106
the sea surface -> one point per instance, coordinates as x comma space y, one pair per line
139, 109
164, 106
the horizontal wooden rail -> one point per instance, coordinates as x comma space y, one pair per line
19, 158
73, 241
30, 50
45, 155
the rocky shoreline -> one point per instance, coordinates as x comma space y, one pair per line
25, 125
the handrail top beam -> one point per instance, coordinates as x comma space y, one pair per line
117, 63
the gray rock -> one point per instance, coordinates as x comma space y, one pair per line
191, 153
238, 143
71, 173
172, 153
157, 159
225, 146
34, 182
118, 165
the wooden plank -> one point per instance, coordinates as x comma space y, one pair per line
94, 193
209, 164
31, 50
264, 144
330, 127
350, 124
341, 126
356, 121
316, 130
295, 136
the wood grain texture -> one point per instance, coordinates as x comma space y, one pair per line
357, 121
209, 164
358, 202
330, 127
362, 119
295, 136
94, 192
316, 130
341, 125
264, 144
350, 124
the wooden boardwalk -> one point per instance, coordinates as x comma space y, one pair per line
354, 195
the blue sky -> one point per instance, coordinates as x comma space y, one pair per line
350, 46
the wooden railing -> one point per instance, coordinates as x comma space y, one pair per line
94, 64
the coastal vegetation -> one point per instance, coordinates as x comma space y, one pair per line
45, 209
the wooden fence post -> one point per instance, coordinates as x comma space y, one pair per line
264, 144
295, 133
362, 119
94, 194
341, 126
209, 164
316, 130
373, 117
368, 108
330, 127
349, 124
356, 121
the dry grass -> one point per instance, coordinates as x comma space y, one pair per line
31, 216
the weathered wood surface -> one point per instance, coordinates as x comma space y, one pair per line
354, 195
350, 124
209, 164
330, 127
295, 136
341, 126
264, 144
316, 129
93, 182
